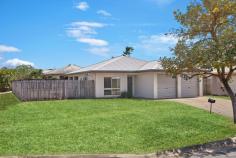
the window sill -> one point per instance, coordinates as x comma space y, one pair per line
112, 95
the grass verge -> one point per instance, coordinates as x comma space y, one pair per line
104, 126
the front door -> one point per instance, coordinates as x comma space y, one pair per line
130, 86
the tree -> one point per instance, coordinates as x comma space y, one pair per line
19, 73
27, 72
128, 51
206, 42
5, 79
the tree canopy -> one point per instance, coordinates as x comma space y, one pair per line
206, 41
128, 51
19, 73
207, 38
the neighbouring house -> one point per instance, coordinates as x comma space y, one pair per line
139, 78
61, 72
213, 86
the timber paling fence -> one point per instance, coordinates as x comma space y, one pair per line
27, 90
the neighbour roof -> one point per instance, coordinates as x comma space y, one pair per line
47, 70
67, 69
152, 65
121, 64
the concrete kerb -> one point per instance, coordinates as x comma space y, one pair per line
88, 156
207, 148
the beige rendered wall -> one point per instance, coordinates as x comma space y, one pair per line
200, 88
217, 88
99, 83
145, 84
90, 76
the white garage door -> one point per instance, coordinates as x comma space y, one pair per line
189, 88
166, 86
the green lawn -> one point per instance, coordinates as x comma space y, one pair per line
104, 126
7, 100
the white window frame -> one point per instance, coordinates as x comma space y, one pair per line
112, 78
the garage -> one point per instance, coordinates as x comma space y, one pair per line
166, 86
189, 87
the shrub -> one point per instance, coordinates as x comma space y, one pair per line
126, 95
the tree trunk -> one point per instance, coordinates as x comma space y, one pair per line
232, 97
234, 108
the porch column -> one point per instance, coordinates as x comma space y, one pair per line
124, 83
179, 95
155, 86
200, 84
133, 84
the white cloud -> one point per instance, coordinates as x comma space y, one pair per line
162, 2
156, 43
163, 39
101, 51
80, 32
84, 31
5, 49
82, 6
88, 24
93, 41
16, 62
104, 13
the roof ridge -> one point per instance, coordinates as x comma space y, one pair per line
109, 61
119, 63
81, 68
149, 62
146, 62
137, 59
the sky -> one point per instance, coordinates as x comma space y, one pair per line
55, 33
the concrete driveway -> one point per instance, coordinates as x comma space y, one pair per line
222, 106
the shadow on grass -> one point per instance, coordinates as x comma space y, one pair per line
7, 99
219, 97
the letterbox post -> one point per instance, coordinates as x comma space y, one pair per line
211, 101
210, 108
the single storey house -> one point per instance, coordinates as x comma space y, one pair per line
142, 79
61, 72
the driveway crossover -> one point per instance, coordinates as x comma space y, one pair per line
222, 106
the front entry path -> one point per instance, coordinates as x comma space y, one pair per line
222, 106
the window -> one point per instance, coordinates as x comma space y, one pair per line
111, 86
76, 78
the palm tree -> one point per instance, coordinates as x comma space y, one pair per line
128, 51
